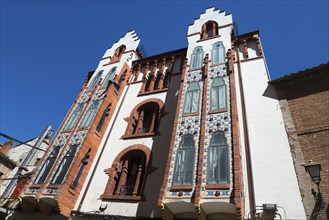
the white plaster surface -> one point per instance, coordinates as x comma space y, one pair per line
272, 166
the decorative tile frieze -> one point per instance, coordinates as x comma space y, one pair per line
78, 137
61, 139
84, 98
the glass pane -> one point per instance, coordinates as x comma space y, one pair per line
213, 165
221, 55
222, 97
43, 173
223, 160
188, 100
179, 167
193, 86
214, 98
64, 165
215, 57
189, 160
195, 101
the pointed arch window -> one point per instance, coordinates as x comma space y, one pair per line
218, 172
74, 116
118, 53
64, 165
192, 98
196, 59
89, 116
47, 165
185, 159
218, 95
94, 81
109, 77
218, 53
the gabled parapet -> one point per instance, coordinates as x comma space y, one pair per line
123, 50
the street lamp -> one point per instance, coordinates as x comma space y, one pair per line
314, 170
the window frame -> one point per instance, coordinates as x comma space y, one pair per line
218, 91
45, 168
196, 58
76, 113
222, 149
192, 91
218, 49
64, 166
177, 183
90, 114
109, 77
94, 81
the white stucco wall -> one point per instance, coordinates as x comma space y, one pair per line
274, 176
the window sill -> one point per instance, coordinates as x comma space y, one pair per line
53, 186
190, 70
153, 92
35, 186
217, 111
208, 38
218, 186
181, 187
131, 136
190, 114
121, 198
117, 61
218, 64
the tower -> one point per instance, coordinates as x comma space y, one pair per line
57, 182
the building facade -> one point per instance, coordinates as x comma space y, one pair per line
194, 133
304, 101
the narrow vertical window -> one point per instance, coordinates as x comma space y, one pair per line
183, 173
43, 173
102, 120
92, 110
109, 77
82, 165
74, 116
64, 165
196, 59
192, 98
218, 94
94, 81
218, 53
218, 159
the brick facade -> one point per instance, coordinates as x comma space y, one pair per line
304, 101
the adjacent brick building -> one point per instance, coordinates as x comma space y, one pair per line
304, 102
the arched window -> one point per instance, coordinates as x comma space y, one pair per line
183, 173
157, 82
109, 77
64, 165
118, 53
127, 175
89, 116
74, 116
218, 159
209, 29
47, 165
217, 53
196, 59
192, 98
218, 94
94, 81
148, 83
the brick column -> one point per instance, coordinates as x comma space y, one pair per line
144, 78
123, 178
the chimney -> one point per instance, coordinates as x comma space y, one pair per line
6, 147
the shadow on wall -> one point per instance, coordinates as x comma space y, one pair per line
270, 92
148, 207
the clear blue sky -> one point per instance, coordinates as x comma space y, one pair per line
48, 47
